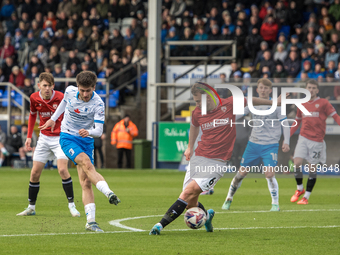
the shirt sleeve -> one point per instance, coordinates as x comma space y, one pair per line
33, 110
329, 109
194, 121
99, 115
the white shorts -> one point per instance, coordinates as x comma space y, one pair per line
206, 172
48, 148
313, 152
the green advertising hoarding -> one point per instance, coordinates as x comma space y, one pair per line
172, 141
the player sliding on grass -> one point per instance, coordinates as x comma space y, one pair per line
83, 119
46, 102
214, 149
262, 147
310, 145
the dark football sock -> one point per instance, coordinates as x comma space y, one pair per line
298, 176
33, 190
68, 188
202, 207
311, 181
173, 212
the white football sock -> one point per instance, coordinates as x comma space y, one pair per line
103, 187
300, 187
234, 185
90, 211
3, 150
71, 204
273, 187
31, 207
307, 194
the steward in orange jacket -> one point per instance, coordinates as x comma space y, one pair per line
122, 135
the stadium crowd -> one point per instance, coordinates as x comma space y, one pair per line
283, 39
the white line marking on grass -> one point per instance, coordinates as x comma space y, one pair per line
117, 223
167, 230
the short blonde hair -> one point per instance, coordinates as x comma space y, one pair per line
265, 82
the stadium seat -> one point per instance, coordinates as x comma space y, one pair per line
127, 21
101, 93
18, 98
285, 30
113, 99
144, 80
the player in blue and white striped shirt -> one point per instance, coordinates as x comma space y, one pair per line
84, 115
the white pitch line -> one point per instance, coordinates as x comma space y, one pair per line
117, 223
167, 230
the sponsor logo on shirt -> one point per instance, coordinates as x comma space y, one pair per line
76, 111
313, 114
55, 106
224, 108
46, 114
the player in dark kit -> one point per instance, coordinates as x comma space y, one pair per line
214, 149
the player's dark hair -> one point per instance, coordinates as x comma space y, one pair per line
265, 82
48, 77
86, 79
199, 88
313, 82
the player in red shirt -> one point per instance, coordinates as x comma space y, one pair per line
45, 102
214, 149
310, 145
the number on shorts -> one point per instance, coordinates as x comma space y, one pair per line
316, 154
211, 182
274, 156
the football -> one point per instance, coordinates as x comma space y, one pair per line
195, 217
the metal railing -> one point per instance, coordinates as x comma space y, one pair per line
9, 87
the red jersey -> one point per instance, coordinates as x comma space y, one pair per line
46, 108
217, 141
314, 126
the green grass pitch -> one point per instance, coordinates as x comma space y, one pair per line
248, 228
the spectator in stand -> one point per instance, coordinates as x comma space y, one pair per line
7, 67
252, 43
254, 23
318, 72
292, 64
18, 40
35, 61
332, 55
117, 40
311, 23
12, 24
129, 38
228, 23
92, 66
331, 68
234, 68
200, 50
17, 77
294, 41
28, 89
54, 57
58, 73
34, 73
240, 42
335, 40
305, 57
86, 28
334, 10
143, 41
177, 8
136, 29
80, 44
281, 12
259, 55
72, 58
100, 60
310, 40
68, 42
279, 72
102, 9
321, 55
74, 69
280, 54
263, 10
282, 39
267, 61
42, 54
64, 6
8, 49
327, 24
215, 36
307, 69
13, 143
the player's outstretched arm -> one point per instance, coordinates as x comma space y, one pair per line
193, 133
336, 117
49, 123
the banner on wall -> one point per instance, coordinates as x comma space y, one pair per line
172, 141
